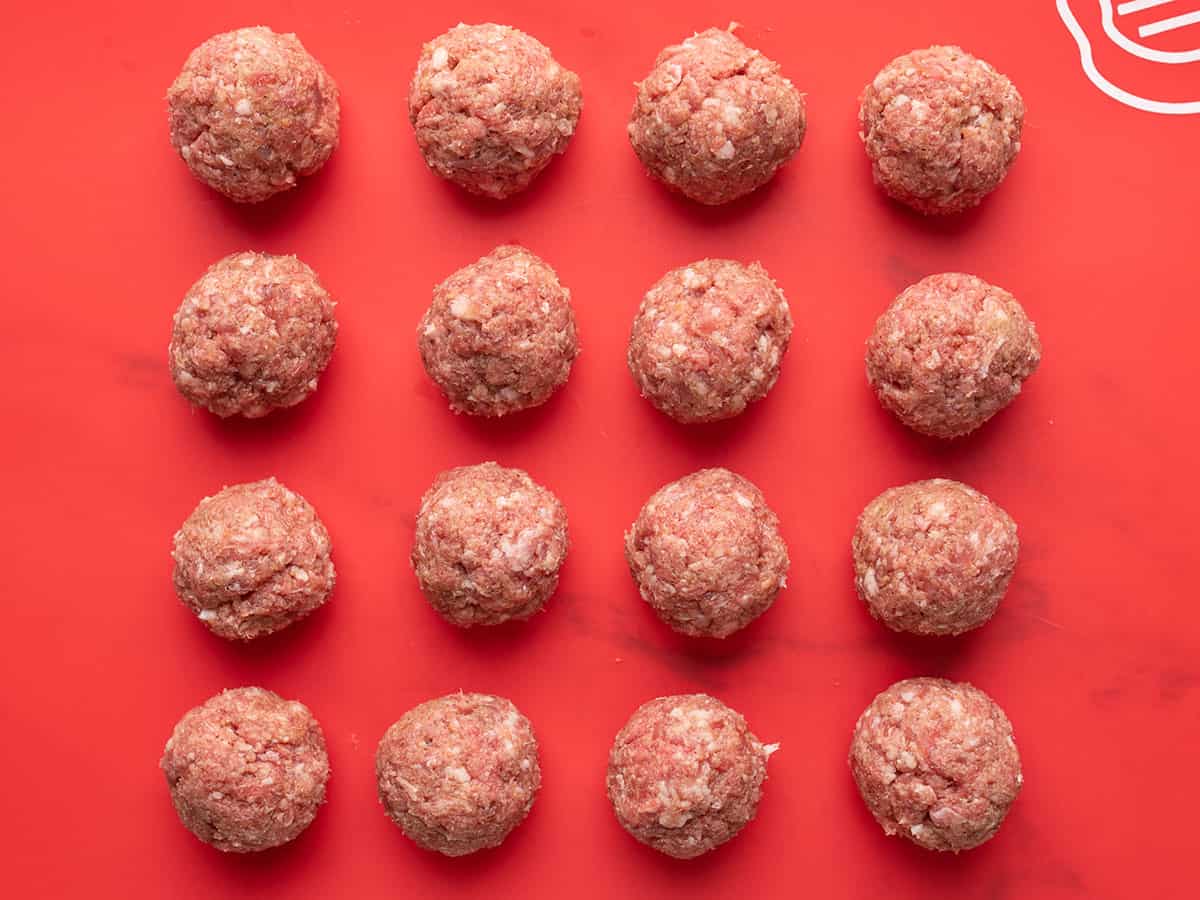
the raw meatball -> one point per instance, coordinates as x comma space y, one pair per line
491, 108
715, 119
246, 770
250, 111
933, 557
457, 774
252, 560
489, 544
252, 335
708, 340
706, 553
685, 774
950, 353
500, 334
941, 128
936, 762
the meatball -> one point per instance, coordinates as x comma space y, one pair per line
941, 129
936, 762
706, 553
252, 335
708, 340
933, 557
246, 769
252, 559
715, 119
458, 773
252, 110
491, 108
950, 353
500, 334
489, 543
685, 774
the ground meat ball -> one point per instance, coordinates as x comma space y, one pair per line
941, 129
685, 774
933, 557
252, 559
489, 543
706, 553
246, 770
715, 119
252, 335
250, 111
500, 334
936, 762
491, 108
709, 339
457, 774
950, 353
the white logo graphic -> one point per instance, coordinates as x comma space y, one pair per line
1174, 19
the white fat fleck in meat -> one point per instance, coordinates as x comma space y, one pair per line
520, 551
463, 307
870, 584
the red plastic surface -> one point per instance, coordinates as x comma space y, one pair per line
1095, 653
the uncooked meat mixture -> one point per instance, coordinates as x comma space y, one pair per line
489, 544
458, 773
252, 559
491, 108
715, 119
252, 111
685, 774
247, 769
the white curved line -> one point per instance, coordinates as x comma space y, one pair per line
1136, 6
1164, 25
1119, 94
1130, 46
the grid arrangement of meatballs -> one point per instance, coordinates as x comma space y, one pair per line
935, 761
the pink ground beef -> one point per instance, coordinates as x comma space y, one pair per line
491, 108
709, 339
714, 119
252, 559
253, 335
459, 773
706, 553
950, 353
246, 770
251, 111
685, 774
933, 557
499, 336
936, 763
489, 545
941, 128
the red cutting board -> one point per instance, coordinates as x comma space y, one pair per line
1095, 654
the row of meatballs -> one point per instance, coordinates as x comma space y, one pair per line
714, 119
933, 557
256, 331
935, 761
